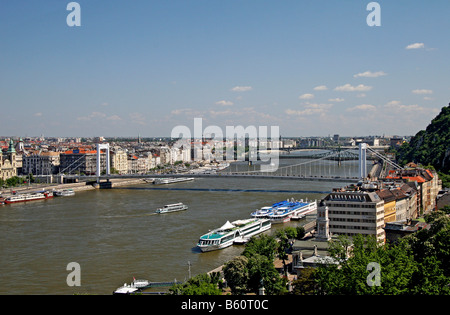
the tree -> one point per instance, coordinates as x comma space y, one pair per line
445, 209
300, 232
236, 274
261, 271
264, 245
433, 241
339, 248
430, 146
283, 247
202, 284
306, 283
396, 264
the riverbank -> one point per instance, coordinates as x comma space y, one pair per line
82, 186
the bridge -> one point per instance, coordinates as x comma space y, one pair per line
315, 167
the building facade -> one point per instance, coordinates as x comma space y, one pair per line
355, 212
81, 162
119, 161
8, 163
41, 163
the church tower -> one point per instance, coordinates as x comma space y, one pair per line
11, 153
8, 165
323, 224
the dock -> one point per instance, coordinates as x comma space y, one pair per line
137, 286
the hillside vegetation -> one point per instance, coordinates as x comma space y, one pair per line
430, 146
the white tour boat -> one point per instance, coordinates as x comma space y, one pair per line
134, 286
172, 208
264, 212
292, 209
64, 193
171, 180
28, 197
227, 234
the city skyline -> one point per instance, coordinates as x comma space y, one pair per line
314, 69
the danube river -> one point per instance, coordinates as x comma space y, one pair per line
114, 234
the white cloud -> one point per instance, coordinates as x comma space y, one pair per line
321, 88
114, 117
310, 109
397, 106
338, 100
427, 98
224, 103
93, 115
415, 46
99, 116
39, 114
323, 106
369, 74
180, 111
349, 88
362, 107
306, 96
137, 118
241, 88
423, 91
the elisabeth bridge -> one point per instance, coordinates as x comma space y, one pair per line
327, 165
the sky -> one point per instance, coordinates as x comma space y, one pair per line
143, 67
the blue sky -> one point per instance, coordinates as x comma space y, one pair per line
313, 68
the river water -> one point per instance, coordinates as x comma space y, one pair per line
114, 234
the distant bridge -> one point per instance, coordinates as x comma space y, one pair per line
334, 155
333, 147
316, 168
217, 175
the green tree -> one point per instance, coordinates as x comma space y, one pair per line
396, 264
263, 244
283, 247
433, 241
202, 284
300, 232
237, 275
306, 283
430, 146
261, 271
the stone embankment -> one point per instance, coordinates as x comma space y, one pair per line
74, 186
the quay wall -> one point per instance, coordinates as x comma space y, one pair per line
81, 186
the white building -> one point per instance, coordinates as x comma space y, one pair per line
356, 212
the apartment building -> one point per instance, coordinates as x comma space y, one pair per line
412, 191
119, 161
41, 163
81, 161
355, 212
389, 204
427, 181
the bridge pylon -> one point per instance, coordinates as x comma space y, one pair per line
362, 166
101, 146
